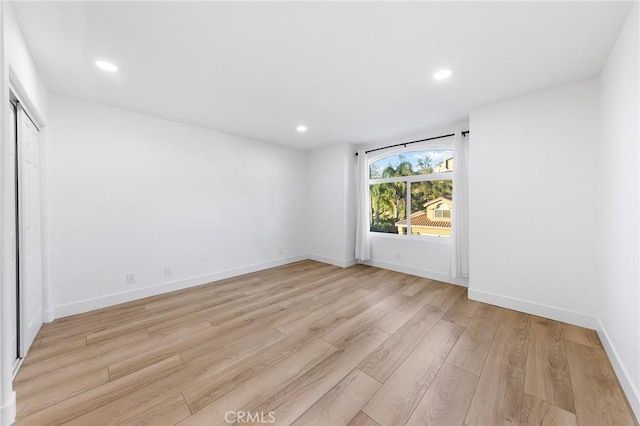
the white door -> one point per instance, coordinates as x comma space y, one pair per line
30, 241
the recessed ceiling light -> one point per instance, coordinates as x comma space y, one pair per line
301, 128
442, 74
107, 66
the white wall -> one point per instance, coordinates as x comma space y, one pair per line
429, 259
331, 224
131, 193
23, 72
425, 258
618, 290
533, 202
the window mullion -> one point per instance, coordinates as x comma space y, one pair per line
387, 180
408, 207
412, 179
430, 177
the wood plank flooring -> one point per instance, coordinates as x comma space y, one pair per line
313, 344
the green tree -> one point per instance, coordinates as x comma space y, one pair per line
381, 205
424, 165
403, 168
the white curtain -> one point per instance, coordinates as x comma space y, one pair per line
363, 246
459, 260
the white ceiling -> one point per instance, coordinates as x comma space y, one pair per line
351, 71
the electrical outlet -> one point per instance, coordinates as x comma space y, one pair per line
131, 278
167, 271
281, 250
397, 255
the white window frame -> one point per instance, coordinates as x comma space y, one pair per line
426, 146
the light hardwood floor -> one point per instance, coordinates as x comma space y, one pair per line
313, 344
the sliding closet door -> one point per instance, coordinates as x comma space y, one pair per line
30, 253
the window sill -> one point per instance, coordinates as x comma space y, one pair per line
422, 238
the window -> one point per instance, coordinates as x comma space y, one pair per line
411, 193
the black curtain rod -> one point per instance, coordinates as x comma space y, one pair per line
466, 132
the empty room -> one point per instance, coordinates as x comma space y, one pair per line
320, 213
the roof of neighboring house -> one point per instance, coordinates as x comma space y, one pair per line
437, 200
423, 220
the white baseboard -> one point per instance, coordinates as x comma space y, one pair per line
538, 309
631, 392
425, 273
332, 260
114, 299
8, 411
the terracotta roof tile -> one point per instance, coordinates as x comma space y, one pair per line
423, 220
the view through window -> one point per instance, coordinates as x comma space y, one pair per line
411, 193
